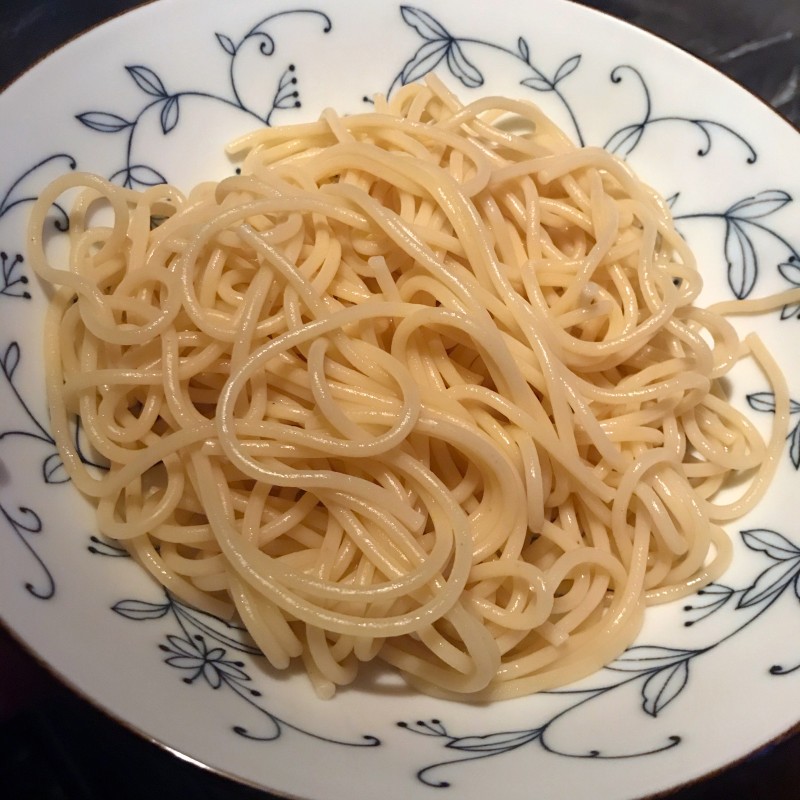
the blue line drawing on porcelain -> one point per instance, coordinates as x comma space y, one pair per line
660, 673
52, 468
627, 138
13, 281
105, 547
16, 195
24, 523
201, 650
168, 103
790, 271
765, 401
28, 521
442, 47
743, 220
53, 471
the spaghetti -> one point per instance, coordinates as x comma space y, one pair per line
426, 384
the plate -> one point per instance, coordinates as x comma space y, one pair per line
153, 96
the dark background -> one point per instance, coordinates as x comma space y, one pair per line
53, 744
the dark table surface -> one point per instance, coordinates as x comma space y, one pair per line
53, 744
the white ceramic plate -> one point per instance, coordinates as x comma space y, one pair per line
154, 95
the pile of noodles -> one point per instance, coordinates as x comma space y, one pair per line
425, 385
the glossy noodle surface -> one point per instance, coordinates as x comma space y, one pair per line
427, 384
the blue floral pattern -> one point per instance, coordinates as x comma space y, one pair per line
743, 222
167, 103
200, 650
439, 46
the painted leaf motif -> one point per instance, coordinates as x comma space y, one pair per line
231, 670
10, 360
103, 121
226, 43
762, 401
212, 675
662, 687
53, 470
424, 24
141, 174
794, 446
625, 140
770, 583
462, 68
538, 83
427, 58
774, 544
524, 49
169, 114
761, 205
185, 646
495, 742
790, 270
147, 80
214, 631
139, 609
183, 662
649, 658
790, 311
742, 259
566, 69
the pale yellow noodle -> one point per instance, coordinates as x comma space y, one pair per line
424, 385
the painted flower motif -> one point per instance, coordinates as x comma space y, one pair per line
194, 655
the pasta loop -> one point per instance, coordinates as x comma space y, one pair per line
425, 385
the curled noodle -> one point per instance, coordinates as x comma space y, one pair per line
426, 385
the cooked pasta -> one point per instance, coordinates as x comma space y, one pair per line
427, 385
